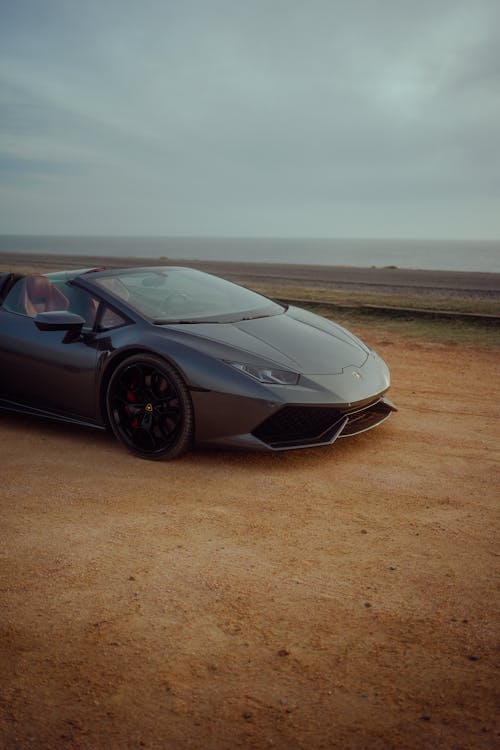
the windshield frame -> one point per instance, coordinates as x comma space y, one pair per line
269, 307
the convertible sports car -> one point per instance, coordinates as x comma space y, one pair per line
167, 356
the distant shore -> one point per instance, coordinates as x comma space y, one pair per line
384, 280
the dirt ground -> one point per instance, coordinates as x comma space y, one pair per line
341, 597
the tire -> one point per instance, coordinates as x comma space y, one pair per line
149, 408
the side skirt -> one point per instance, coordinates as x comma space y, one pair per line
13, 406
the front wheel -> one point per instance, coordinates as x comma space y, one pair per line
149, 408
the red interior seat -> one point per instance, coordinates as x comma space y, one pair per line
38, 295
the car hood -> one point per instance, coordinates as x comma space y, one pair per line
296, 340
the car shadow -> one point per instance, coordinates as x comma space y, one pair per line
200, 456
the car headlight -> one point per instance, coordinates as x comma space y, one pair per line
267, 374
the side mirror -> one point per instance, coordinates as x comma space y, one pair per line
61, 320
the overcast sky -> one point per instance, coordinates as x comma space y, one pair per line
319, 118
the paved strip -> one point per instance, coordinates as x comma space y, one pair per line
389, 280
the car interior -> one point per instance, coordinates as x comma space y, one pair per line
36, 294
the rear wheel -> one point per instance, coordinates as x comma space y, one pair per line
149, 408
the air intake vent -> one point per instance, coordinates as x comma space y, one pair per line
366, 418
298, 425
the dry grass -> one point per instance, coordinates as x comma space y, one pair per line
447, 332
433, 302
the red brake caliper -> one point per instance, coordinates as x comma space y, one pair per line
131, 397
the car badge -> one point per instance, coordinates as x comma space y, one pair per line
356, 375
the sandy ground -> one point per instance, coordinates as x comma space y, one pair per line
333, 598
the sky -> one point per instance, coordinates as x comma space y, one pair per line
259, 118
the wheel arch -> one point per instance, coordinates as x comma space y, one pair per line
116, 360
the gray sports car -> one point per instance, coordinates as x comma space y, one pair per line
169, 356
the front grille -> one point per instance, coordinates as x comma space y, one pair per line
294, 425
301, 426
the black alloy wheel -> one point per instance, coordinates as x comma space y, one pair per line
149, 408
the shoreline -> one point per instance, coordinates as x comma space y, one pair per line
373, 279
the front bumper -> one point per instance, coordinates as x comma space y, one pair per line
308, 426
316, 412
302, 426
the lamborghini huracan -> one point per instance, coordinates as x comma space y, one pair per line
167, 357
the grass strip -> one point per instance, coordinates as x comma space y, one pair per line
356, 299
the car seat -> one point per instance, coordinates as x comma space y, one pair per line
38, 294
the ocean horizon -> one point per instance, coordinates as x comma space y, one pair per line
453, 255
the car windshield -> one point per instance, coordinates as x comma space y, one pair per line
183, 295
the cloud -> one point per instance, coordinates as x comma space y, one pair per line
251, 118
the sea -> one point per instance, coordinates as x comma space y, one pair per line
451, 255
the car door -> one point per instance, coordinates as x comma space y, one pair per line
39, 370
